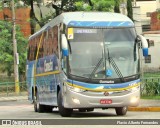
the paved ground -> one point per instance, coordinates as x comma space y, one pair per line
12, 98
145, 104
149, 103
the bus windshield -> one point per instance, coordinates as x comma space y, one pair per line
94, 50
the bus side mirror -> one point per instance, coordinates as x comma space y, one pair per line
144, 45
150, 43
64, 45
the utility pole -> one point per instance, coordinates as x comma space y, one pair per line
123, 7
135, 3
16, 58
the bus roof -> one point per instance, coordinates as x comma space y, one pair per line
89, 19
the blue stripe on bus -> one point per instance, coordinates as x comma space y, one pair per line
105, 86
101, 23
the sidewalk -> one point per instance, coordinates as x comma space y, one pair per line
13, 98
145, 104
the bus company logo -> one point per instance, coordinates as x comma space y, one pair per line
21, 122
6, 122
48, 66
106, 82
106, 93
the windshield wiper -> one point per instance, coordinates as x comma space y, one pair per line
97, 65
114, 65
117, 70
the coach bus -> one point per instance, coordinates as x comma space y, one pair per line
85, 60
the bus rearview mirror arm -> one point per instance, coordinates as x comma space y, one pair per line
64, 45
144, 45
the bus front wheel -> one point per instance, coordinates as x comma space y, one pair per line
37, 106
65, 112
121, 110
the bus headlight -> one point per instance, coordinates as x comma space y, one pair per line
75, 89
134, 99
76, 101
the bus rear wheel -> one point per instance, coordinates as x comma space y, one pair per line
121, 110
64, 112
37, 106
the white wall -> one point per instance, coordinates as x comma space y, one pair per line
158, 3
154, 51
146, 6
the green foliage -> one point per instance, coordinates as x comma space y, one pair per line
116, 6
151, 88
45, 20
129, 9
81, 6
98, 5
103, 5
151, 97
6, 45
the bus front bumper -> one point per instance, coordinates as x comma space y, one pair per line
75, 100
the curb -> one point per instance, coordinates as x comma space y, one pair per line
13, 98
148, 109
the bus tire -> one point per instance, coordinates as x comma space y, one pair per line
121, 110
64, 112
37, 106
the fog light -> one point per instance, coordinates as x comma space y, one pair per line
75, 100
134, 99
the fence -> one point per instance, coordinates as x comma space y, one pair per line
149, 87
8, 88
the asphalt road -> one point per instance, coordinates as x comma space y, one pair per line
22, 110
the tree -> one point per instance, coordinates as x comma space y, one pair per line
103, 5
129, 9
94, 5
65, 6
35, 20
116, 6
6, 45
83, 5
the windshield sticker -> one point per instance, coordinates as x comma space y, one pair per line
70, 33
108, 72
85, 31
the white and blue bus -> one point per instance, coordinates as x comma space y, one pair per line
85, 60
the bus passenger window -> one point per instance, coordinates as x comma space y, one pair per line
55, 40
40, 54
35, 52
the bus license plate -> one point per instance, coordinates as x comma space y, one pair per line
106, 101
